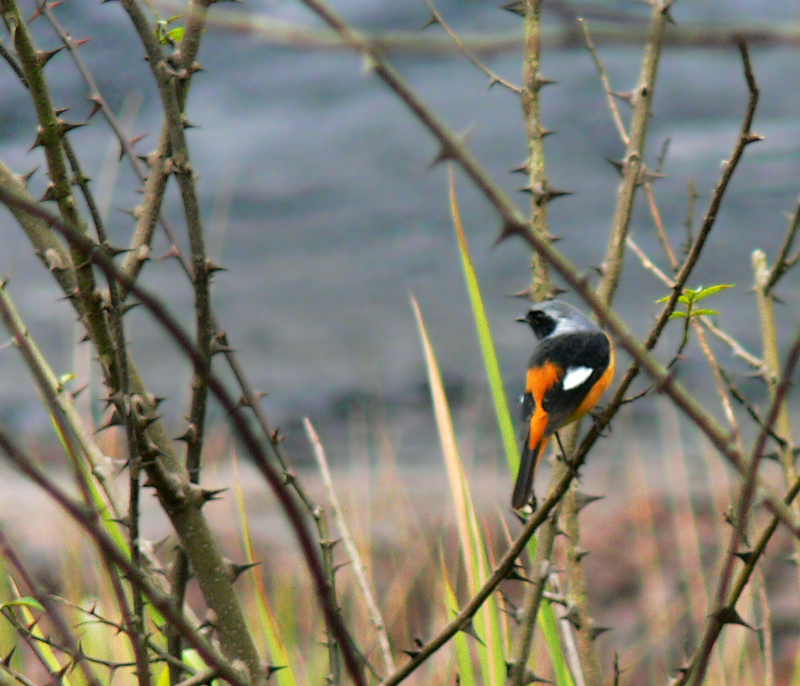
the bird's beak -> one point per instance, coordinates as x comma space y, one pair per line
522, 320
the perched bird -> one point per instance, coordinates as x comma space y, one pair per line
571, 367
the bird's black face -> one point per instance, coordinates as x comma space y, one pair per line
542, 323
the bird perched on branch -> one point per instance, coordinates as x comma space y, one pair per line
570, 369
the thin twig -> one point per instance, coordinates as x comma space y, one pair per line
183, 495
493, 76
68, 637
783, 263
352, 552
109, 548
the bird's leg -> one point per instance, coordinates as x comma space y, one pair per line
564, 457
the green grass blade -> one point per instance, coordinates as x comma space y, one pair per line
549, 626
496, 385
546, 620
487, 619
460, 645
268, 623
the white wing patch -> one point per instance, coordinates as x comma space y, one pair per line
575, 376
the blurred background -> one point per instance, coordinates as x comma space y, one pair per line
320, 201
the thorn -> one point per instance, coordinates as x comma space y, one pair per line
579, 553
96, 107
39, 139
82, 41
753, 138
745, 556
469, 628
543, 194
172, 252
113, 250
27, 177
189, 435
555, 291
114, 420
329, 543
445, 153
515, 574
524, 168
596, 630
572, 615
647, 175
44, 56
544, 133
236, 569
540, 82
74, 394
433, 20
729, 615
509, 229
66, 127
271, 669
219, 344
529, 677
625, 97
416, 650
584, 499
619, 165
50, 193
212, 267
517, 7
208, 494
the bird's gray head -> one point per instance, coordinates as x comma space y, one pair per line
554, 317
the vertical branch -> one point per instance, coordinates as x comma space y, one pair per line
631, 169
352, 552
632, 163
541, 286
51, 131
763, 287
518, 674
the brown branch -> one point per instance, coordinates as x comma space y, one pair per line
493, 76
632, 163
181, 500
541, 286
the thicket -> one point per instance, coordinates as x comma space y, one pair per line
133, 620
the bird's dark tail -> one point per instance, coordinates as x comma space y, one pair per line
527, 468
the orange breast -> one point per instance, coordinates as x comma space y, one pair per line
538, 382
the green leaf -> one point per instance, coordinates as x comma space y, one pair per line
698, 313
705, 292
176, 34
676, 315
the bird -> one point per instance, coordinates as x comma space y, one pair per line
571, 367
